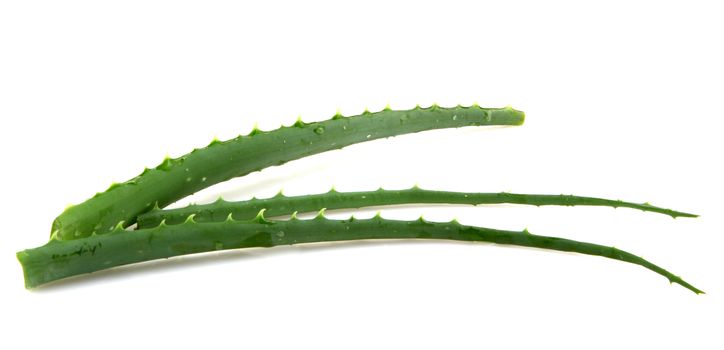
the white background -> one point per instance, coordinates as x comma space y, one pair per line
623, 100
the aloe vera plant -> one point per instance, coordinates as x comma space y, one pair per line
176, 178
92, 236
60, 259
284, 205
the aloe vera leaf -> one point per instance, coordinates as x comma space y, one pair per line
60, 259
285, 205
176, 178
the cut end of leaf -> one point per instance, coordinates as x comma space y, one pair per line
519, 114
22, 257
